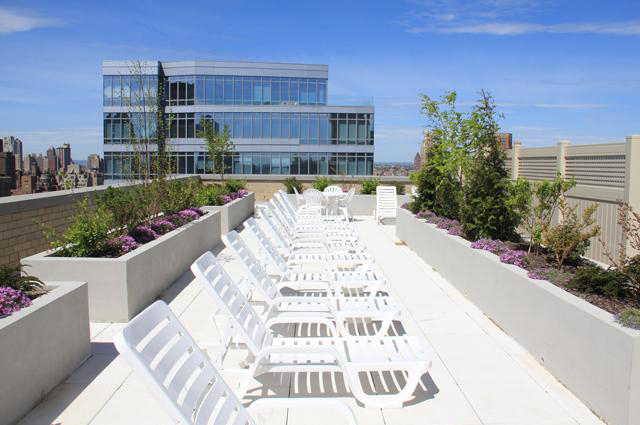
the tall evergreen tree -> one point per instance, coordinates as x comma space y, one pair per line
485, 211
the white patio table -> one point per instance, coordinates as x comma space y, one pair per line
331, 199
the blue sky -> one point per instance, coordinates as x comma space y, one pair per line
557, 69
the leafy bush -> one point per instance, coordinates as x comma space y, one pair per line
321, 183
399, 188
87, 234
629, 317
128, 207
12, 300
176, 195
212, 195
570, 238
292, 182
369, 186
235, 185
520, 199
16, 278
596, 280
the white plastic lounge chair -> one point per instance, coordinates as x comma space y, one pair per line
179, 374
299, 198
386, 203
313, 199
332, 282
357, 357
344, 206
288, 259
319, 245
281, 202
341, 311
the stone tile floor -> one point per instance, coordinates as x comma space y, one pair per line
479, 374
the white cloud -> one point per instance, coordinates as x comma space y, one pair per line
571, 105
17, 20
499, 17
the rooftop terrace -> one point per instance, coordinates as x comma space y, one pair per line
479, 374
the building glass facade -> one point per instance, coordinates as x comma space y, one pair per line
277, 114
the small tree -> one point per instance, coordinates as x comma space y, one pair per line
570, 238
486, 212
219, 145
629, 221
546, 197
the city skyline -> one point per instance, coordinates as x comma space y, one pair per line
556, 71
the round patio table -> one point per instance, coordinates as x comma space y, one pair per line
332, 199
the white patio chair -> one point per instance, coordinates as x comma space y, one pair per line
386, 203
341, 311
331, 282
344, 206
356, 357
332, 189
296, 219
164, 356
313, 199
301, 214
299, 198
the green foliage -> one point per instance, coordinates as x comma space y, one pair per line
16, 278
520, 199
290, 183
321, 183
128, 207
399, 188
629, 317
176, 195
211, 195
369, 186
234, 185
596, 280
544, 202
570, 238
486, 212
87, 234
219, 144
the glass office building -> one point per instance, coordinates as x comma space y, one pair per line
278, 116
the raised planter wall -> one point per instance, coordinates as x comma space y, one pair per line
119, 288
40, 346
235, 212
580, 344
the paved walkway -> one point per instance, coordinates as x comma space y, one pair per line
479, 374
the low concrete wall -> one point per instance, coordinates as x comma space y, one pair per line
40, 346
119, 288
580, 344
234, 213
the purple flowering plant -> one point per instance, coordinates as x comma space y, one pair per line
493, 246
12, 300
517, 258
161, 226
143, 234
122, 244
189, 215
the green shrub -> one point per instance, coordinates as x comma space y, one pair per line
569, 239
399, 188
321, 183
235, 185
87, 234
212, 195
596, 280
290, 183
16, 278
369, 186
128, 207
176, 195
629, 317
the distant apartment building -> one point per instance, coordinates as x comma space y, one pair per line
94, 162
63, 153
278, 116
52, 161
8, 169
14, 145
506, 139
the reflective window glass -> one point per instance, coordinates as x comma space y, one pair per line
200, 90
210, 93
219, 90
304, 163
237, 90
312, 91
106, 88
275, 125
266, 91
295, 126
266, 163
293, 90
228, 90
246, 124
237, 125
246, 90
266, 125
257, 126
257, 90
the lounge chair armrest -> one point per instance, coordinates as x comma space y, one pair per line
314, 403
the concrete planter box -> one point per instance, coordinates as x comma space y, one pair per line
364, 204
235, 212
580, 344
41, 345
119, 288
